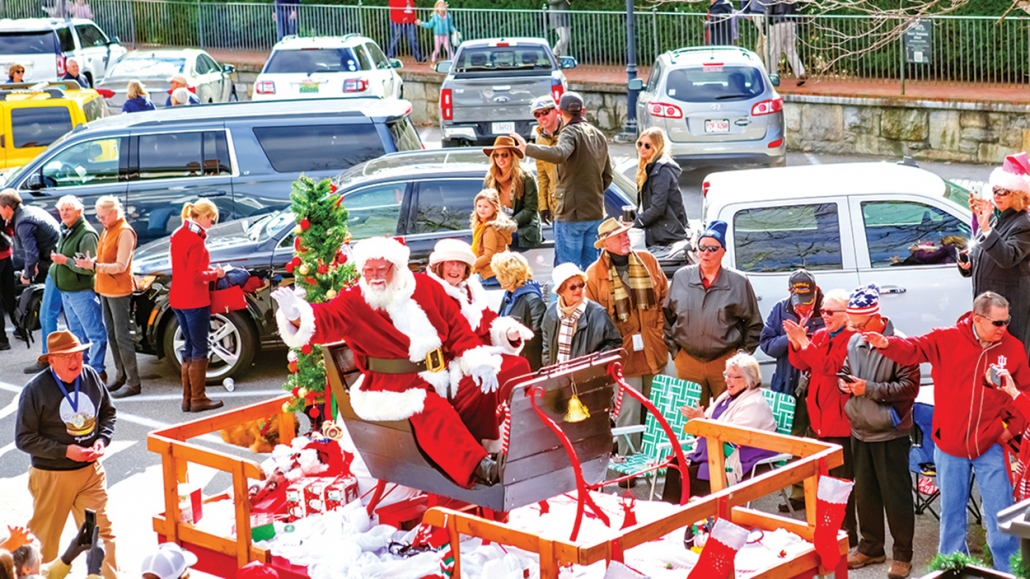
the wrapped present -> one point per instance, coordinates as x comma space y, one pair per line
314, 494
341, 491
191, 505
262, 527
296, 505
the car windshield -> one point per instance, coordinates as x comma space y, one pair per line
313, 60
956, 193
154, 67
714, 83
502, 58
267, 226
37, 42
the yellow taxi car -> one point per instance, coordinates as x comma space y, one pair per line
34, 115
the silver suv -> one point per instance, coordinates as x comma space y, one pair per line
718, 106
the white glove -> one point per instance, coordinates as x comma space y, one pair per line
289, 303
486, 378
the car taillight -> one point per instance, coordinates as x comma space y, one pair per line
775, 144
355, 85
446, 105
105, 92
265, 87
60, 65
704, 188
664, 110
557, 89
767, 107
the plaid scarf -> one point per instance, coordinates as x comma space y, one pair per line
639, 283
568, 329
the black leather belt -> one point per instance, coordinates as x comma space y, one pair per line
434, 362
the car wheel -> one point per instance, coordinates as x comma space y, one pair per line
233, 98
231, 345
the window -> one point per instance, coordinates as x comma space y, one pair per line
41, 42
94, 109
714, 83
87, 163
205, 65
445, 205
149, 67
654, 77
64, 36
312, 61
772, 239
378, 58
405, 137
506, 58
176, 155
319, 148
363, 59
90, 35
375, 211
903, 233
39, 126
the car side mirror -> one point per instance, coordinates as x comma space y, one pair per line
774, 79
443, 67
228, 68
35, 182
396, 63
636, 84
568, 62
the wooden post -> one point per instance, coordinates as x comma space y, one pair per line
242, 500
169, 473
716, 464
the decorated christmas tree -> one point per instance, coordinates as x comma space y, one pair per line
321, 269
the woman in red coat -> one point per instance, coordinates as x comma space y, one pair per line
823, 356
190, 299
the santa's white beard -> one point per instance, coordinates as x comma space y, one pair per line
380, 295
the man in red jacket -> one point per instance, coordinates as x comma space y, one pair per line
402, 21
971, 408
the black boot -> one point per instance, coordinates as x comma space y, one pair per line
488, 472
118, 383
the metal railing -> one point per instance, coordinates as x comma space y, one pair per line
958, 48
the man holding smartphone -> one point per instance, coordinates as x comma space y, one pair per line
970, 413
882, 393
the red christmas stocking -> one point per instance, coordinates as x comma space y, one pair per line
716, 561
831, 504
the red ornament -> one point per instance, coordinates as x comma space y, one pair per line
315, 412
305, 224
295, 261
322, 269
341, 258
295, 391
292, 366
332, 188
311, 280
289, 267
305, 349
298, 245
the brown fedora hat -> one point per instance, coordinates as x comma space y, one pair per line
62, 342
504, 142
609, 228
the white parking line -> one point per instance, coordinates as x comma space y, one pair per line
812, 159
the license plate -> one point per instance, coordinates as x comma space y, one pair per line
309, 87
502, 128
717, 126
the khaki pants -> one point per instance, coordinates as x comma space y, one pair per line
707, 374
55, 493
630, 411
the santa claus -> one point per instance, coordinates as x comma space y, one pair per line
450, 265
404, 331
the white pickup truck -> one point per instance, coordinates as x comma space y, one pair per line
849, 224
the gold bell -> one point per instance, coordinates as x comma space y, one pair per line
576, 412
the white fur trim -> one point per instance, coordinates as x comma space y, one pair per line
473, 311
728, 534
295, 337
455, 373
1006, 180
382, 405
381, 248
834, 490
480, 357
499, 335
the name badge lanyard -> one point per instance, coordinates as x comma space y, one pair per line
60, 384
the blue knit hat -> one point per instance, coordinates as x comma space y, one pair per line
865, 301
717, 231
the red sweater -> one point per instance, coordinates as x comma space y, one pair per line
825, 356
968, 415
191, 268
402, 11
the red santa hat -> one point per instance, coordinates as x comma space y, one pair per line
386, 248
1013, 174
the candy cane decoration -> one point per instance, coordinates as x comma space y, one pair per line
617, 374
504, 412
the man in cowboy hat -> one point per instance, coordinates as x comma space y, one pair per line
631, 286
65, 422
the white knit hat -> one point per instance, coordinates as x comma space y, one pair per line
452, 250
170, 561
1013, 174
386, 248
563, 272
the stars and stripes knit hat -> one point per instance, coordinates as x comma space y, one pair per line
865, 301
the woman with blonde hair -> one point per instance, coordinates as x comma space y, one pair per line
190, 299
136, 98
491, 233
516, 189
442, 26
660, 210
523, 300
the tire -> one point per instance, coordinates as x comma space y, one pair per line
236, 341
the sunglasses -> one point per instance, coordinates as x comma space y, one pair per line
709, 248
575, 286
997, 323
644, 145
1000, 192
502, 155
542, 113
18, 70
826, 312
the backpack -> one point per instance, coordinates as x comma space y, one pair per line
26, 313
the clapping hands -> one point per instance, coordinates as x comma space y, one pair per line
797, 335
691, 413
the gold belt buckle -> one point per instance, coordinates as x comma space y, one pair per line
435, 361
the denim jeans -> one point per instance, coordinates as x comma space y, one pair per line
408, 30
195, 324
285, 20
86, 320
574, 242
50, 309
953, 474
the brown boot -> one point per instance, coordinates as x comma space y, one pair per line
184, 369
199, 401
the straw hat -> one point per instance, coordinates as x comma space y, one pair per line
608, 228
504, 142
62, 342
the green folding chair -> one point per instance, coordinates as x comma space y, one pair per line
668, 394
783, 411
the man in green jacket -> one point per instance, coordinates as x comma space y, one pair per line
81, 304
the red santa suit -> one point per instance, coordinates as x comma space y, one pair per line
419, 320
479, 408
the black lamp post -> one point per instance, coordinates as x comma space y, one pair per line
633, 84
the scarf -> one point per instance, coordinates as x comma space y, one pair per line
639, 283
477, 237
568, 316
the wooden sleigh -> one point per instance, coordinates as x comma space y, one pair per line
539, 463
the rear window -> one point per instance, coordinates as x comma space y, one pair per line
714, 83
94, 109
313, 60
148, 67
42, 42
38, 127
405, 137
319, 148
503, 58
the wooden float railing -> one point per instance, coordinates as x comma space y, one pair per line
815, 459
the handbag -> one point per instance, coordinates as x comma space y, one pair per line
228, 300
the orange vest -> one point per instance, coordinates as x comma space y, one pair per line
121, 284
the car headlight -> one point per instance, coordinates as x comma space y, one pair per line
144, 282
